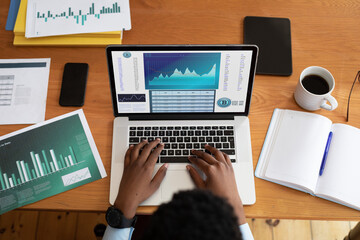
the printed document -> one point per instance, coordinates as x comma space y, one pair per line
46, 159
52, 17
23, 90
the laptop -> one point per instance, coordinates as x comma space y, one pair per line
188, 96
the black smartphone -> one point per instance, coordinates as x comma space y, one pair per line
74, 84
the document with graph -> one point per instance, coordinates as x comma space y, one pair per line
51, 17
47, 159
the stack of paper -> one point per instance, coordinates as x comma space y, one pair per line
55, 23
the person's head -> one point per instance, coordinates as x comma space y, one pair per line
194, 214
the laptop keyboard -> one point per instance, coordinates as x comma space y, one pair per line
180, 140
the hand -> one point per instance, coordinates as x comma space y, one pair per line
220, 177
137, 183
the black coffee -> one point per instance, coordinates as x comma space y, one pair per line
315, 84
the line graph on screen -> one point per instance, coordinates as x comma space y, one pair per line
131, 98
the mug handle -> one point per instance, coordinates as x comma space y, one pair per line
332, 101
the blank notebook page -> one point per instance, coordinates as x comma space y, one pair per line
298, 149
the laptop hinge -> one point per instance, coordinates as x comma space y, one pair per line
181, 117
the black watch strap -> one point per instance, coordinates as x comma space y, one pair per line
116, 219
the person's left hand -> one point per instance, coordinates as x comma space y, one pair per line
137, 183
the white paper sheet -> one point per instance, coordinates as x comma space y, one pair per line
52, 17
23, 90
341, 173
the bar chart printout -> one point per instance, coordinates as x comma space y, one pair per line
50, 17
47, 159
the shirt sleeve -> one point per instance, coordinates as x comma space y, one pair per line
246, 232
126, 233
118, 233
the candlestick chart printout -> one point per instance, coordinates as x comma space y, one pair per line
46, 159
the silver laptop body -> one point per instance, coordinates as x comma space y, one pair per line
187, 96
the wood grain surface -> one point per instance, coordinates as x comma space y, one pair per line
58, 225
324, 33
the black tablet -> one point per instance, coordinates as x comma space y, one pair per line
273, 37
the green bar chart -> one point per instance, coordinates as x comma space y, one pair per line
45, 161
40, 165
53, 18
81, 16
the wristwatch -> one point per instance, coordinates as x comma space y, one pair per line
116, 219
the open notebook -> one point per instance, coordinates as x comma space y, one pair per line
293, 151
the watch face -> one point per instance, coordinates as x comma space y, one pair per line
116, 219
113, 217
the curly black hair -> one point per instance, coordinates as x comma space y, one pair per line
194, 214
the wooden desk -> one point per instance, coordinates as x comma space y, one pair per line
324, 33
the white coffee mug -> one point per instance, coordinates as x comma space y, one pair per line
313, 101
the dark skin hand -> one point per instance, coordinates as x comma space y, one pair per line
137, 183
220, 177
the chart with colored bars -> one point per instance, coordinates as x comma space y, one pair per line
37, 166
51, 18
46, 160
80, 16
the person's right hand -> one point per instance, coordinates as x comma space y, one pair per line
220, 177
137, 182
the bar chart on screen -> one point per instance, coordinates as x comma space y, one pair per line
49, 18
46, 159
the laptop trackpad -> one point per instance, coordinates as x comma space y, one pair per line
174, 182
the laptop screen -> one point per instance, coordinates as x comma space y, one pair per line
189, 80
